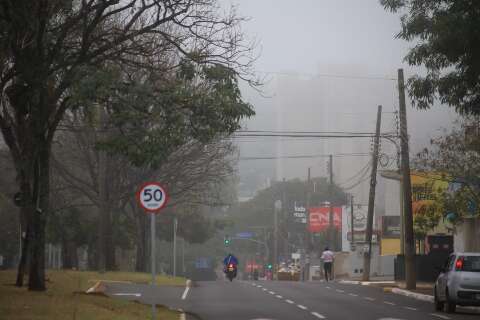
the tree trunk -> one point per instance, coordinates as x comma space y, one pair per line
22, 265
109, 244
69, 254
36, 280
141, 241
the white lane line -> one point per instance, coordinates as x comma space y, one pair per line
128, 294
318, 315
410, 308
271, 292
353, 294
389, 303
302, 307
440, 316
369, 299
259, 286
328, 288
289, 301
279, 296
185, 293
264, 289
341, 291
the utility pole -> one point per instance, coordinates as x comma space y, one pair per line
175, 224
409, 246
352, 230
331, 229
277, 208
371, 199
102, 193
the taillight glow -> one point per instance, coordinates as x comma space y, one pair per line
230, 265
459, 264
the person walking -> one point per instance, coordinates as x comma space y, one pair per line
327, 258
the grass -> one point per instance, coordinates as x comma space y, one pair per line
64, 298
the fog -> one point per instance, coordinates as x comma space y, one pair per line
327, 65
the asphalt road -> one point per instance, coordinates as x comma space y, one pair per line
281, 300
306, 300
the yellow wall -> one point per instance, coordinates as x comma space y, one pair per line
390, 247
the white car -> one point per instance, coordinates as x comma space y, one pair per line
458, 282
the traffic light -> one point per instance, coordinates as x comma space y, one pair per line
269, 266
226, 241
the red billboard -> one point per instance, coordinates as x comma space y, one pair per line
319, 218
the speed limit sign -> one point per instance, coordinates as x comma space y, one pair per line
152, 196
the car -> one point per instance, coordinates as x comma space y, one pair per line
458, 282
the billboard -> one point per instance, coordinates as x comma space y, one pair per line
319, 218
391, 226
426, 188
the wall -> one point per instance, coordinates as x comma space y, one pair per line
390, 247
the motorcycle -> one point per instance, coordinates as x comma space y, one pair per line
231, 271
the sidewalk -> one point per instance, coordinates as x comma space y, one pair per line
422, 292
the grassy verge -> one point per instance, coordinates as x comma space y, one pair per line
64, 300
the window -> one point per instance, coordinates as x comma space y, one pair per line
471, 263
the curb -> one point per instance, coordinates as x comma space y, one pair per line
410, 294
365, 283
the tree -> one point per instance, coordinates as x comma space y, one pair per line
44, 47
447, 44
456, 156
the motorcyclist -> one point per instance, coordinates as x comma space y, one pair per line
230, 259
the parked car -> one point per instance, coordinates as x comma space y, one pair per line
458, 282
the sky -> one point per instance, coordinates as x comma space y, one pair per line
328, 64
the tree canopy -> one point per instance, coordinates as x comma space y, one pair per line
446, 37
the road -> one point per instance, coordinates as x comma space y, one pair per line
279, 300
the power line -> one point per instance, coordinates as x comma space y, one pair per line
339, 155
327, 75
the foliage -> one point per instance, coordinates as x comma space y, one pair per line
456, 155
447, 44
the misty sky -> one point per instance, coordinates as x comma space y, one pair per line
328, 38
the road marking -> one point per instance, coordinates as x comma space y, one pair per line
353, 294
341, 291
302, 307
318, 315
259, 286
183, 316
271, 292
440, 316
289, 301
184, 295
279, 296
328, 288
128, 294
264, 289
369, 299
389, 303
410, 308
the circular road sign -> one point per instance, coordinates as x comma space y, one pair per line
152, 196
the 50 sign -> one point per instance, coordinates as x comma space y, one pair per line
152, 197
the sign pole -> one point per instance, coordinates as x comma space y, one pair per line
152, 231
152, 197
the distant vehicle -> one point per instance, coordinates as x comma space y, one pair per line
458, 282
202, 269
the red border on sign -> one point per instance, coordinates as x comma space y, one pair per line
137, 196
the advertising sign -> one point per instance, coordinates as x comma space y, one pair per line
391, 226
319, 218
300, 214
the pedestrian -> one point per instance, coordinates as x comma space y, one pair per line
327, 257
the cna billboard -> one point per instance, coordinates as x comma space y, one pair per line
319, 218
